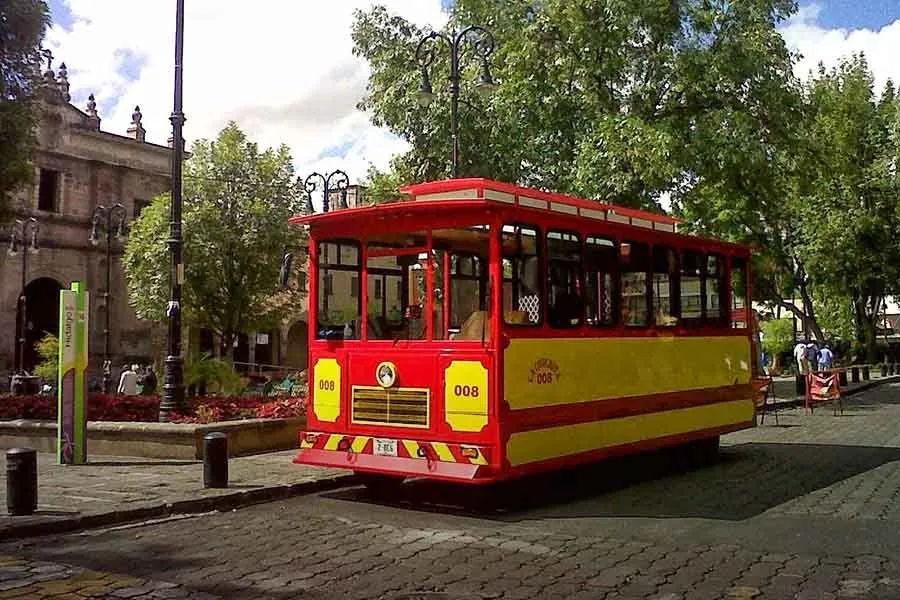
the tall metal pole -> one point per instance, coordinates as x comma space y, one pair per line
112, 218
173, 386
24, 308
454, 101
482, 42
106, 371
19, 239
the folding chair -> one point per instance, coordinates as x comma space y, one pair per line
765, 389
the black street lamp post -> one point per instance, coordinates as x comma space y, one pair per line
482, 43
24, 239
336, 181
112, 222
173, 380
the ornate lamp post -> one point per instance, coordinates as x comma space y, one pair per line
331, 182
482, 43
112, 222
24, 239
173, 380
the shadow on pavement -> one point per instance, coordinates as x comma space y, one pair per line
745, 481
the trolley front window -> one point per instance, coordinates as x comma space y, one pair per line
422, 285
339, 273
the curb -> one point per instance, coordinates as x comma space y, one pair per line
801, 401
225, 502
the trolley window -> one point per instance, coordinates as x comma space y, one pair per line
634, 261
692, 293
522, 293
339, 271
716, 288
600, 267
665, 279
739, 312
566, 305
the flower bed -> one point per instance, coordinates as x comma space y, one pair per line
210, 409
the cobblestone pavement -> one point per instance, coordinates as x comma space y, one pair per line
805, 510
108, 484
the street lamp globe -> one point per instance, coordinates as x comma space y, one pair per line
425, 95
486, 84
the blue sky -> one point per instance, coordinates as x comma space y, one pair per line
858, 14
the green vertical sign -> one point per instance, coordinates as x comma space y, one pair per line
73, 358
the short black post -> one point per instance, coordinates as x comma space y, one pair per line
842, 377
800, 384
215, 460
884, 370
21, 481
854, 374
865, 372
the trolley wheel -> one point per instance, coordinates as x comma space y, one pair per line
380, 484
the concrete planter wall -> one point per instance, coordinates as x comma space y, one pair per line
159, 440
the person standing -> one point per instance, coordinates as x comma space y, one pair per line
128, 381
826, 358
812, 355
150, 381
800, 357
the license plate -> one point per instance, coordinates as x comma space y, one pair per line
385, 447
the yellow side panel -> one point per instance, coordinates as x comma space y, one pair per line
547, 372
327, 390
466, 395
543, 444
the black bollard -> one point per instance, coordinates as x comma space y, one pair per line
884, 370
215, 460
854, 375
800, 384
842, 377
865, 372
21, 481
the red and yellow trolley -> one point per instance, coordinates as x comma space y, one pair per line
510, 331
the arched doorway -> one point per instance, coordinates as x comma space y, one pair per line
42, 314
297, 345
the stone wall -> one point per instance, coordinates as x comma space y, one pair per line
95, 168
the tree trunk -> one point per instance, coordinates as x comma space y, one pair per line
809, 316
227, 346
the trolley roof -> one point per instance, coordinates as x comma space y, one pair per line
475, 192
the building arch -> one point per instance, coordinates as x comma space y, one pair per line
297, 348
41, 317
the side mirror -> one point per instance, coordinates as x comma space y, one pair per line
287, 262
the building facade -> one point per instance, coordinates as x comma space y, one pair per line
77, 167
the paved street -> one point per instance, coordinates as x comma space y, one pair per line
807, 509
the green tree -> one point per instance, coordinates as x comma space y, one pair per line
48, 349
237, 202
848, 219
622, 101
777, 337
22, 27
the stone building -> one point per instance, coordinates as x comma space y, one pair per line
77, 167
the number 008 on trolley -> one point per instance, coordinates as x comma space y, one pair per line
480, 331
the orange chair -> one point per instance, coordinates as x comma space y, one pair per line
765, 389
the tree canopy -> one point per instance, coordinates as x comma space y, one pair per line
616, 100
22, 27
237, 202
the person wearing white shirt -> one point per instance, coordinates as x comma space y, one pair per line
800, 357
128, 381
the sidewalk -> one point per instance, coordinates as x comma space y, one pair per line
785, 388
111, 490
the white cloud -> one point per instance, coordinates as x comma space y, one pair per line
805, 35
283, 69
